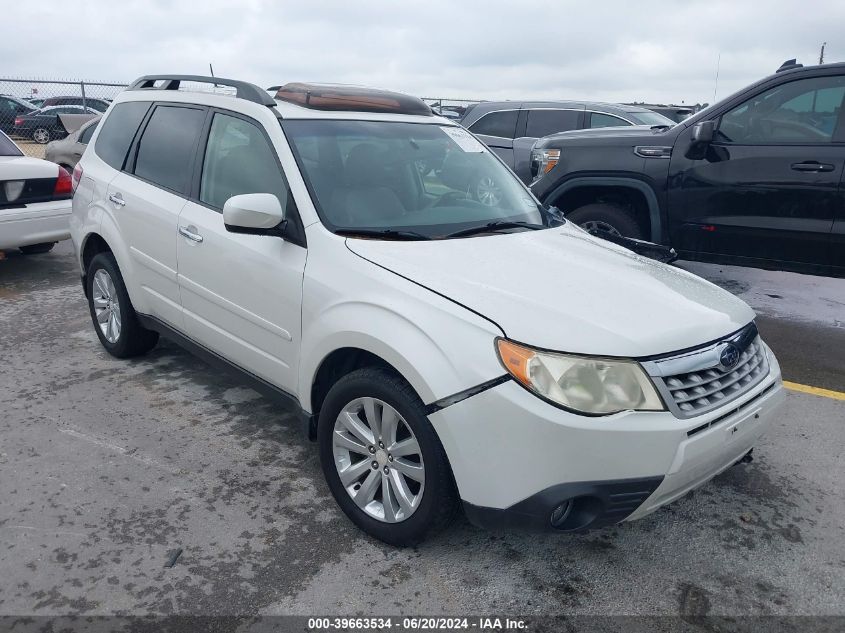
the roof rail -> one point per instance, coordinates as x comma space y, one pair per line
245, 90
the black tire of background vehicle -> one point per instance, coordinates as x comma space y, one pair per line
35, 249
41, 135
134, 340
613, 215
439, 505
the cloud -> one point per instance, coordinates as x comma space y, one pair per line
615, 51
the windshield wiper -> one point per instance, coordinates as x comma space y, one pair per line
495, 226
384, 233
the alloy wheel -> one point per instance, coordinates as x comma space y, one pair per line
378, 460
41, 136
106, 306
487, 192
599, 225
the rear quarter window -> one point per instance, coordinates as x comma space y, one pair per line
118, 131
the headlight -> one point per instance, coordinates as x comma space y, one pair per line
592, 386
543, 161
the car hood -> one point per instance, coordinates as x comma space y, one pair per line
563, 289
25, 167
646, 132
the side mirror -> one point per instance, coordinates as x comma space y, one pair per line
703, 132
255, 213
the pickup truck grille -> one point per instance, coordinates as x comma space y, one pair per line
697, 382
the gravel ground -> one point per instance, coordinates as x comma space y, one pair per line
107, 466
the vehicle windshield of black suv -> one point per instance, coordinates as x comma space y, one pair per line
407, 179
7, 148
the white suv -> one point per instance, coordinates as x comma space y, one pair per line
442, 350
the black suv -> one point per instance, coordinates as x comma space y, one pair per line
755, 179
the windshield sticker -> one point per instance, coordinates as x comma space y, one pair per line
466, 141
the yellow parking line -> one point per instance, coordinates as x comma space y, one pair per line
816, 391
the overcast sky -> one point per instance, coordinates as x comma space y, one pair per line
602, 49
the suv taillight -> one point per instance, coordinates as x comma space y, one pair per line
77, 177
18, 121
64, 184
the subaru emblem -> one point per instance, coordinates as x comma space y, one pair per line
729, 356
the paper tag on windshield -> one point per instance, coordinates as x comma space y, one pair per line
466, 141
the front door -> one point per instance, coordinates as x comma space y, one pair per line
241, 294
766, 188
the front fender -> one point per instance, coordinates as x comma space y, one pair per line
438, 346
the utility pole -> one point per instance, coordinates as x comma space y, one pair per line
821, 54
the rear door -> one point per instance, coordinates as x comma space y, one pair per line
497, 130
768, 186
148, 195
242, 294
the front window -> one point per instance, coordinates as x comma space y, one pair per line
422, 179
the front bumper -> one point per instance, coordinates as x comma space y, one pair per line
516, 459
35, 223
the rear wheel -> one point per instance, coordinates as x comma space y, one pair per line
383, 460
608, 217
115, 321
41, 135
35, 249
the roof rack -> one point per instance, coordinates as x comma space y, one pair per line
351, 98
245, 90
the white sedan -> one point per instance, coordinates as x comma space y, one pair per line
35, 201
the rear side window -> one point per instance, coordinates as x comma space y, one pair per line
7, 148
167, 146
118, 131
501, 124
238, 160
544, 122
599, 119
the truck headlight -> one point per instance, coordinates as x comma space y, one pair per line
543, 161
583, 384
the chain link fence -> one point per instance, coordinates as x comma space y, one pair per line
36, 111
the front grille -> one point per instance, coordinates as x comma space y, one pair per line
696, 382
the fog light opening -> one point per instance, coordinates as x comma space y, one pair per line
561, 513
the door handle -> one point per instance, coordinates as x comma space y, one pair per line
117, 199
812, 165
189, 232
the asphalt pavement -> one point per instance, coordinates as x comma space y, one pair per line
109, 467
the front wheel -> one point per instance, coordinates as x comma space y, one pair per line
608, 217
115, 321
382, 459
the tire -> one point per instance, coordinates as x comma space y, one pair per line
41, 135
437, 504
609, 217
35, 249
127, 338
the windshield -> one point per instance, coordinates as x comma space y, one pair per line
425, 179
651, 118
7, 147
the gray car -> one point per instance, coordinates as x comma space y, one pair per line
510, 128
68, 150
